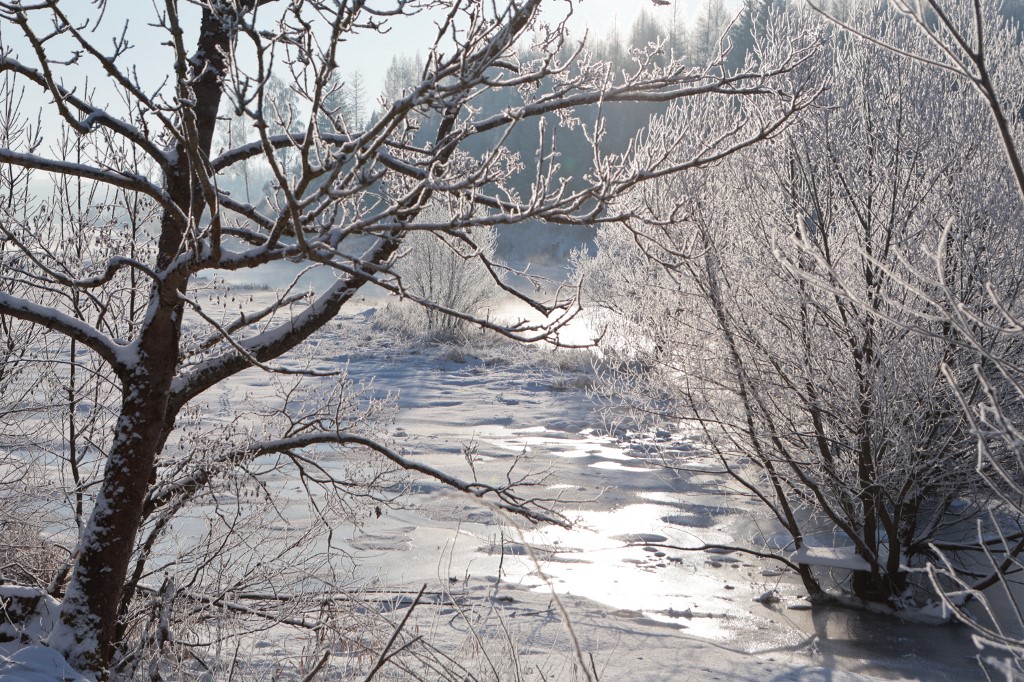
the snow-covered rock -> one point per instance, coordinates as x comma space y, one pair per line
37, 664
27, 615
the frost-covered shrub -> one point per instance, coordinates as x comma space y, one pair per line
972, 41
26, 557
446, 279
784, 316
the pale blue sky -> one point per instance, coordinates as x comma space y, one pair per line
369, 53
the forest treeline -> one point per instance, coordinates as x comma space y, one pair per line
717, 40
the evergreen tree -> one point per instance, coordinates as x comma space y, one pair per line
706, 37
403, 72
612, 49
343, 108
645, 30
356, 99
751, 25
280, 106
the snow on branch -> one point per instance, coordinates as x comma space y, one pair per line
93, 116
283, 141
244, 320
226, 336
503, 496
123, 179
114, 354
264, 346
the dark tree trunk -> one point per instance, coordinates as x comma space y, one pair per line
879, 587
87, 632
89, 612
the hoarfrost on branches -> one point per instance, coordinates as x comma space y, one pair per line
111, 282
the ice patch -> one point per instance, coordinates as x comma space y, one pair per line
833, 557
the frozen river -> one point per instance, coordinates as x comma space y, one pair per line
667, 609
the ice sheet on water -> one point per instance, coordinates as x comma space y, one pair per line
832, 557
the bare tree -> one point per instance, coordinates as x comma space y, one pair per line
341, 199
449, 274
781, 324
978, 44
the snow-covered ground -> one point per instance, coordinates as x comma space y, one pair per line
638, 610
643, 612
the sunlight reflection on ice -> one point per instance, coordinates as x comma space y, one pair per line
618, 466
594, 560
559, 445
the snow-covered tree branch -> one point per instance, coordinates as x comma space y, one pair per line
149, 220
796, 319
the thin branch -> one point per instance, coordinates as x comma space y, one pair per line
93, 115
123, 179
384, 655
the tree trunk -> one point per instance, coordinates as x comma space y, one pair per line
85, 633
879, 587
88, 624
